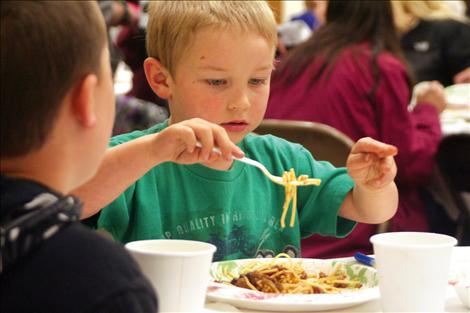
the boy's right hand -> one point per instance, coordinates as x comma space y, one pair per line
177, 143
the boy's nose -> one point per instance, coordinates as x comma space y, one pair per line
239, 101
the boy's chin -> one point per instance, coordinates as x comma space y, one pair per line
236, 138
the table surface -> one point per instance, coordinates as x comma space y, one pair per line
460, 261
455, 120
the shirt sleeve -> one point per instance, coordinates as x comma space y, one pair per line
456, 46
318, 212
115, 217
416, 135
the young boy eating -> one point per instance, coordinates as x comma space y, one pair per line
57, 111
213, 60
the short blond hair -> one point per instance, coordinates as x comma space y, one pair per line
173, 24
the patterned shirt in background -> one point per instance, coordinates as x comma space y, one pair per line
136, 114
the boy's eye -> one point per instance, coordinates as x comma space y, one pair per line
216, 82
257, 81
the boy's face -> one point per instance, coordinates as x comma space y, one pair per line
223, 78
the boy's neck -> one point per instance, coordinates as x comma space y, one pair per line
221, 165
38, 168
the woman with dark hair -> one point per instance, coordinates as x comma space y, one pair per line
350, 75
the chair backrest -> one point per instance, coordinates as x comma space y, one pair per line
453, 159
453, 163
323, 141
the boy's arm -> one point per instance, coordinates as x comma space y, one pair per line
374, 198
126, 163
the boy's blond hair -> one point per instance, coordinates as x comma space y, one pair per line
173, 24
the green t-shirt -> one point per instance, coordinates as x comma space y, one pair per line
238, 210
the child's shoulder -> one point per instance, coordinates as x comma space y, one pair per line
269, 142
116, 140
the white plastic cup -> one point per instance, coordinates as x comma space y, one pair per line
177, 269
413, 269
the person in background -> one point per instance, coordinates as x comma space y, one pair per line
139, 108
136, 114
118, 13
314, 14
435, 40
300, 27
350, 75
290, 35
57, 110
213, 60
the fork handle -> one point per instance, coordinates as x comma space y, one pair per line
216, 150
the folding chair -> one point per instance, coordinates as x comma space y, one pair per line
453, 165
323, 141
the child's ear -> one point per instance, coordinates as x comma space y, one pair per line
158, 77
83, 101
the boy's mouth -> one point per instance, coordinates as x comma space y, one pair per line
235, 126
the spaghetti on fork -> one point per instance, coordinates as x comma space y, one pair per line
290, 182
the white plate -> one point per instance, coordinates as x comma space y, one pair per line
458, 95
249, 299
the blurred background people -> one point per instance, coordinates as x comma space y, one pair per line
131, 42
300, 27
292, 34
435, 40
138, 108
136, 114
314, 14
351, 75
117, 13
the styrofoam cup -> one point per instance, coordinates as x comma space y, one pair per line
413, 269
177, 269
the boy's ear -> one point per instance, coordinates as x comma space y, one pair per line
83, 102
158, 77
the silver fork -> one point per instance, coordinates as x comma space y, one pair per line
275, 179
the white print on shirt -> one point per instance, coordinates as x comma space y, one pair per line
421, 46
196, 224
235, 217
210, 221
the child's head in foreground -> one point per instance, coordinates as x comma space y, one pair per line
57, 92
212, 60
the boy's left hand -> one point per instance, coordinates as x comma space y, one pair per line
371, 163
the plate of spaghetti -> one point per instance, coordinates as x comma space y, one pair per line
288, 284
